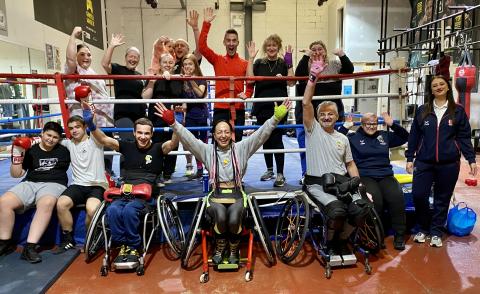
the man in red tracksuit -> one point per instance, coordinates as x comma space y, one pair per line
226, 65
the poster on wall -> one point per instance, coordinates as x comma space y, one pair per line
425, 11
49, 56
3, 19
64, 15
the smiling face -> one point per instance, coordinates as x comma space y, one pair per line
369, 123
271, 50
49, 139
132, 58
327, 116
181, 49
167, 63
77, 130
188, 67
439, 88
84, 57
143, 136
318, 50
230, 41
223, 135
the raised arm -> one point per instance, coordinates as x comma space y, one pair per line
192, 21
207, 52
170, 144
117, 40
399, 135
189, 142
72, 50
252, 52
308, 112
289, 62
251, 144
98, 134
347, 65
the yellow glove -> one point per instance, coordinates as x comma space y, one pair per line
280, 111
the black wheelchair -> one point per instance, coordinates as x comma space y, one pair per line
99, 237
303, 216
201, 230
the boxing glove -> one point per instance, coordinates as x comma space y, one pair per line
168, 117
82, 92
19, 146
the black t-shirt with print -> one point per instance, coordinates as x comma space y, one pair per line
141, 165
47, 166
128, 89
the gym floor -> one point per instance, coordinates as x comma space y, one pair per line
418, 269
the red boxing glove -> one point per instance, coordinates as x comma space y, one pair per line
82, 92
168, 117
19, 146
471, 182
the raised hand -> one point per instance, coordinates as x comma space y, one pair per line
339, 52
281, 111
117, 40
348, 124
387, 119
77, 32
167, 115
208, 14
252, 52
193, 19
317, 66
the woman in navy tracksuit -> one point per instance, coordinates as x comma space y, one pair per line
371, 153
439, 133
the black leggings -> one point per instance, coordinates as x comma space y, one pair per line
387, 193
274, 142
226, 217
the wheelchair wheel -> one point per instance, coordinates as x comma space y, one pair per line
292, 227
190, 241
263, 233
95, 240
370, 236
171, 225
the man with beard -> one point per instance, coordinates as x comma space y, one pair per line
226, 65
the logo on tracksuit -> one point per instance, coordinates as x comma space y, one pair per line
148, 159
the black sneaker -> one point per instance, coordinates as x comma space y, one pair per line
67, 242
30, 254
343, 248
6, 247
220, 245
399, 242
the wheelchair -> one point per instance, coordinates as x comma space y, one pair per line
201, 229
98, 233
302, 216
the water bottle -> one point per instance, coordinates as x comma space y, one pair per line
205, 181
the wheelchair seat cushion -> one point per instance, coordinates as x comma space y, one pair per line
141, 191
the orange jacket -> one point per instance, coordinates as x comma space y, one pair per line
225, 66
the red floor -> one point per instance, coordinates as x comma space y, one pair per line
454, 268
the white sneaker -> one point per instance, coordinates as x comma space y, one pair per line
189, 170
436, 241
420, 237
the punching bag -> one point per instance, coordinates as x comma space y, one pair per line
465, 80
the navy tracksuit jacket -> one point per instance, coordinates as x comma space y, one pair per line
437, 149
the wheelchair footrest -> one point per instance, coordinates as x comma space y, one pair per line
335, 260
227, 266
343, 260
126, 265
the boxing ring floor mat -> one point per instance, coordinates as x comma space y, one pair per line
20, 276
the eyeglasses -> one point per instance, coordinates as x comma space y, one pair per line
370, 125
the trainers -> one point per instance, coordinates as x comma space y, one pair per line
268, 175
279, 181
122, 254
233, 258
6, 247
133, 255
167, 180
30, 254
220, 245
420, 237
67, 242
399, 242
189, 170
436, 241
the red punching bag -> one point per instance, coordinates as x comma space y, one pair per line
465, 80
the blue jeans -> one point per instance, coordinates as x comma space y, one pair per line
123, 218
301, 144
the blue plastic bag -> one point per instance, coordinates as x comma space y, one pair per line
461, 220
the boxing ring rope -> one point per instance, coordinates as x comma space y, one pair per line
59, 78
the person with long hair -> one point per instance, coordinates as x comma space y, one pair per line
343, 65
226, 162
440, 132
275, 65
196, 113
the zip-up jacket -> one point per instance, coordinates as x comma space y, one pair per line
440, 143
224, 65
371, 153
